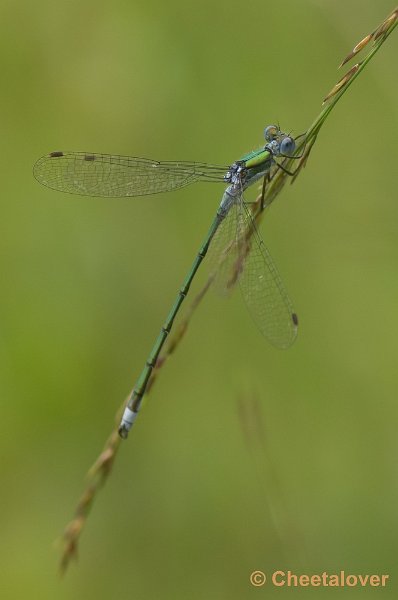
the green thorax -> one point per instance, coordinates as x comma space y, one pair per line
257, 164
256, 158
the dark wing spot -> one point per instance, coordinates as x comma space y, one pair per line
295, 319
56, 154
89, 157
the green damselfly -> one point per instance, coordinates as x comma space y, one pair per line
242, 254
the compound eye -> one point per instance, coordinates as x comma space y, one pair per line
287, 146
271, 133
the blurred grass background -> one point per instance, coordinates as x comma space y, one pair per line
189, 510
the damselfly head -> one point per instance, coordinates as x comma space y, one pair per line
278, 142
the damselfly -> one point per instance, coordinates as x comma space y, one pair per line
242, 255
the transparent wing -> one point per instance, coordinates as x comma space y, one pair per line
262, 287
115, 176
223, 254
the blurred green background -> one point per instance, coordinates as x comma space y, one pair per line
195, 501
